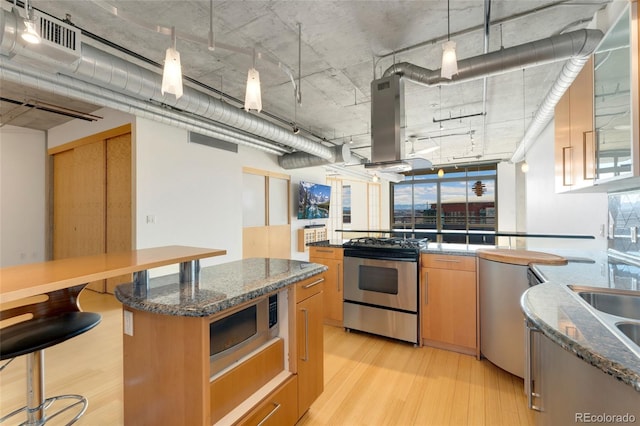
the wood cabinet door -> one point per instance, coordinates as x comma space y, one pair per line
332, 291
448, 305
310, 347
279, 409
582, 127
562, 148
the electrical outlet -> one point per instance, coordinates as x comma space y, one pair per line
128, 322
151, 219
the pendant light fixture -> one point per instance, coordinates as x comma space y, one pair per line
449, 61
172, 74
30, 33
252, 96
525, 166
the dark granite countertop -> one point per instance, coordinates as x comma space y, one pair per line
220, 287
561, 315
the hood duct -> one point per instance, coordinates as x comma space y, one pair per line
580, 43
575, 47
106, 70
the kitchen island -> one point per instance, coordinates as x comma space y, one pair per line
168, 376
578, 349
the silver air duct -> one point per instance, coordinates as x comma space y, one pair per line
106, 70
299, 160
87, 92
576, 46
578, 43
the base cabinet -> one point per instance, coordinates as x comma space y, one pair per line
448, 302
279, 408
570, 391
310, 345
332, 257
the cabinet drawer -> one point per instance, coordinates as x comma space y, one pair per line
280, 408
309, 287
236, 385
326, 252
459, 263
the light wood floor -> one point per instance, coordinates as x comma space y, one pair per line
368, 380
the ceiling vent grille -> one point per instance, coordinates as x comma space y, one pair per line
58, 34
60, 44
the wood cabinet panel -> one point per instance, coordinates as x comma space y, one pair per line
574, 149
460, 263
448, 303
309, 347
278, 409
309, 287
333, 286
238, 384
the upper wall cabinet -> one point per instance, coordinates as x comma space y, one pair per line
597, 121
612, 103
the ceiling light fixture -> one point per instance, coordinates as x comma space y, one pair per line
525, 166
30, 33
449, 60
172, 74
253, 96
211, 45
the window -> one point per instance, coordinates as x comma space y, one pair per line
346, 204
459, 207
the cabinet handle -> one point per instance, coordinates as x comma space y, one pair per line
306, 334
591, 157
448, 260
528, 370
338, 278
564, 165
425, 276
313, 283
276, 407
324, 251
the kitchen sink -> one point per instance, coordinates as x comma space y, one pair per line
631, 330
621, 303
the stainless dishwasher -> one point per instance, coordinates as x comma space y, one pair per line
502, 278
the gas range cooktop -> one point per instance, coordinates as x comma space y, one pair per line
387, 243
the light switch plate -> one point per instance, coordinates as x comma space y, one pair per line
128, 322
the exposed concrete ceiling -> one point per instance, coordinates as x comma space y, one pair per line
344, 46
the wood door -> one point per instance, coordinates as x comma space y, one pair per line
92, 198
79, 203
310, 347
63, 218
118, 203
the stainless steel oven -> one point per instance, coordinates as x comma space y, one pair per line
381, 288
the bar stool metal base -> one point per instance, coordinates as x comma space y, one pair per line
37, 406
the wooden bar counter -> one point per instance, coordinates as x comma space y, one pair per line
18, 282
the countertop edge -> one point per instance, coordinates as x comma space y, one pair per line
586, 354
123, 294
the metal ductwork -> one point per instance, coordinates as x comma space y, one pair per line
577, 44
106, 70
298, 160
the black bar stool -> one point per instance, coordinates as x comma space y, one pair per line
47, 323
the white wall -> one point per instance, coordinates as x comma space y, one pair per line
77, 129
22, 196
551, 213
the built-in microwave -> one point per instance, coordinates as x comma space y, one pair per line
241, 332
